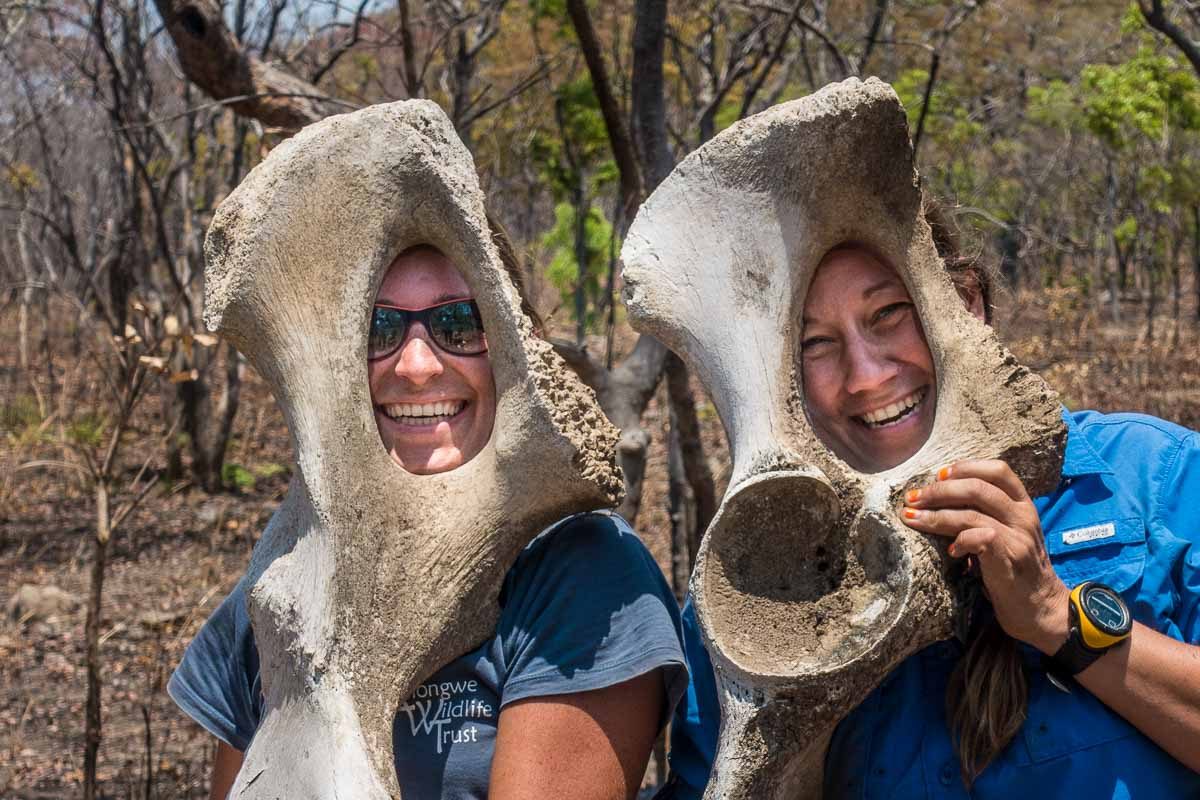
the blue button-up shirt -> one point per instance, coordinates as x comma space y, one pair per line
1126, 513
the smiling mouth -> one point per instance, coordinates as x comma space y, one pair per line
423, 414
893, 413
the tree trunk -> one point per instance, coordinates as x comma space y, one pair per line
579, 198
622, 146
214, 60
649, 108
27, 291
1115, 278
1196, 257
685, 426
92, 715
681, 506
935, 60
207, 422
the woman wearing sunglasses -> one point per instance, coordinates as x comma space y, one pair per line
1081, 677
568, 696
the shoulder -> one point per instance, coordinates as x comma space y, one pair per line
217, 682
586, 606
1145, 455
1129, 429
603, 535
585, 557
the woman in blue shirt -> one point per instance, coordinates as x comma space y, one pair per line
984, 720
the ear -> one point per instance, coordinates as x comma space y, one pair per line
972, 298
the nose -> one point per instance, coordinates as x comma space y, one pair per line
867, 364
418, 362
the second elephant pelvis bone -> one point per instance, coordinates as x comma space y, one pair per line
808, 588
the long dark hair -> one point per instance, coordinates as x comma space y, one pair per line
988, 693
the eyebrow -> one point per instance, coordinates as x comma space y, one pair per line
886, 283
444, 297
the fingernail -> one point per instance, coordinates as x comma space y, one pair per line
951, 550
943, 473
912, 495
911, 513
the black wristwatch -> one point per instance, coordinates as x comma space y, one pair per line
1099, 621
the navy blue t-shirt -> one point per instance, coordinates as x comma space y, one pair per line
584, 607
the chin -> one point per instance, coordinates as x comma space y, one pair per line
426, 463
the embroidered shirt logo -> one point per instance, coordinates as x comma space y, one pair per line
1089, 534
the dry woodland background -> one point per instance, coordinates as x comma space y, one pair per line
140, 458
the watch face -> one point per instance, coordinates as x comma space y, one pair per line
1106, 609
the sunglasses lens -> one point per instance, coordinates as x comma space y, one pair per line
457, 328
388, 326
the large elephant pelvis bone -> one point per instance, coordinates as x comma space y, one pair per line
369, 578
808, 588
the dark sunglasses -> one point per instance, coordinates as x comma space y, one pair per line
455, 327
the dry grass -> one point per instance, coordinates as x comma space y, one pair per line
182, 550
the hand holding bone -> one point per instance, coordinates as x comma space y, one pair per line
982, 506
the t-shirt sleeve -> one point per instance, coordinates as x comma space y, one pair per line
586, 607
217, 682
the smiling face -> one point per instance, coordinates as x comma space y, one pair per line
869, 384
434, 409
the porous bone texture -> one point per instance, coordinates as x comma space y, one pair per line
369, 578
808, 588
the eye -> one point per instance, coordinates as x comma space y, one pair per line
892, 312
814, 346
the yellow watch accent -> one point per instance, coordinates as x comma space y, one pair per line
1093, 637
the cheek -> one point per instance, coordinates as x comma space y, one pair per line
376, 376
479, 377
820, 389
917, 349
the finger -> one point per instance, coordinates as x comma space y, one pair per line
977, 542
945, 521
994, 471
975, 493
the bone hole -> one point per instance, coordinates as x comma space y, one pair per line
434, 407
865, 371
790, 586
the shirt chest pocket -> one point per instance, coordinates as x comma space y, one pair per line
1111, 552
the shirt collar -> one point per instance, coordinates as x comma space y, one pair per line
1080, 458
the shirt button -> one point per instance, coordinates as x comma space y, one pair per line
949, 770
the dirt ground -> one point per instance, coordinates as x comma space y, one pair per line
179, 553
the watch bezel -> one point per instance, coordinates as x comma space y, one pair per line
1092, 588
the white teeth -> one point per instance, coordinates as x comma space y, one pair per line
423, 413
892, 411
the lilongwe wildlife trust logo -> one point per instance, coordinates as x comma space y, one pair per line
439, 709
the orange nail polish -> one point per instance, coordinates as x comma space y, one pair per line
943, 473
950, 549
912, 495
911, 513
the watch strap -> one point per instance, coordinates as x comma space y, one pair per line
1074, 656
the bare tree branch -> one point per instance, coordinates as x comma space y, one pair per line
1156, 17
776, 54
214, 60
341, 49
881, 9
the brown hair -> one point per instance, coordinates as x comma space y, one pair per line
512, 265
987, 694
971, 274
